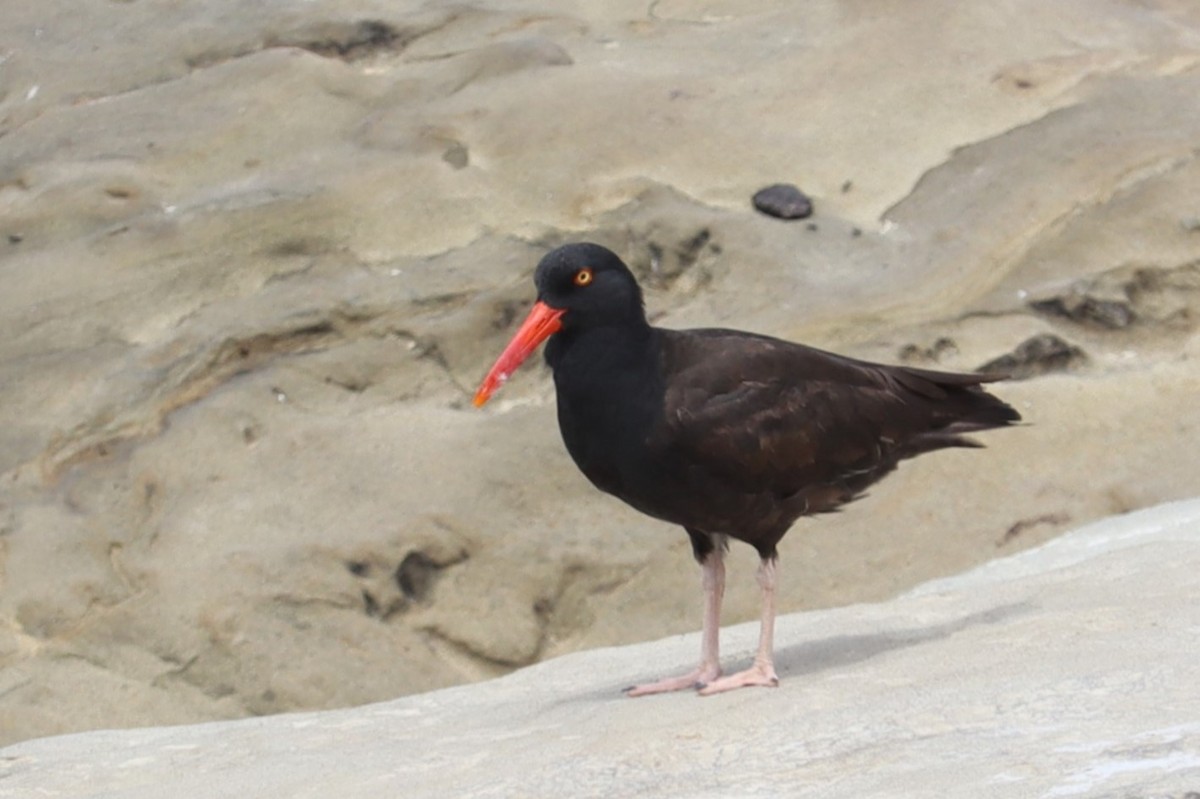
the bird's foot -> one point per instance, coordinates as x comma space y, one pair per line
693, 679
760, 674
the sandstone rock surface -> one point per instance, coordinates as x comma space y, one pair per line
254, 257
1068, 670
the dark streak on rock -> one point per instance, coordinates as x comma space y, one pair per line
1112, 314
1024, 524
355, 41
370, 604
665, 262
1128, 296
296, 246
934, 352
354, 386
1039, 355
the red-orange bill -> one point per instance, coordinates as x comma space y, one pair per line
542, 322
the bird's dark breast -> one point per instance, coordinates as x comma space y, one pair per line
626, 449
608, 397
627, 456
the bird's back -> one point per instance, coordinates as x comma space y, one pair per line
756, 429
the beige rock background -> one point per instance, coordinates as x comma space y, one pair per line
254, 258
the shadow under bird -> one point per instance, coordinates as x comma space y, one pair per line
729, 434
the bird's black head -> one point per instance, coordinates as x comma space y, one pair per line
580, 287
592, 285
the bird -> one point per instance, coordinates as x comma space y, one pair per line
729, 434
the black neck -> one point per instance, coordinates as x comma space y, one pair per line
592, 349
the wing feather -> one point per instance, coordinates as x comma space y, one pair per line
764, 415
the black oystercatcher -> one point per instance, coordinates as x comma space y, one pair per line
729, 434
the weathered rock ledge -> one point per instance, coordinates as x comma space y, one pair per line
1066, 670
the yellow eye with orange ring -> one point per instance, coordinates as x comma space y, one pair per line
583, 277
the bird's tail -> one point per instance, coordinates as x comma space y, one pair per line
958, 404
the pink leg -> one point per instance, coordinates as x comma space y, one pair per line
713, 576
763, 670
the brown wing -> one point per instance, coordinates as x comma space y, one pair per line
765, 415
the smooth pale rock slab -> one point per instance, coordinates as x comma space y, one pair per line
1067, 670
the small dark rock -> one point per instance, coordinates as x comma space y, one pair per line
783, 201
15, 238
1036, 356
